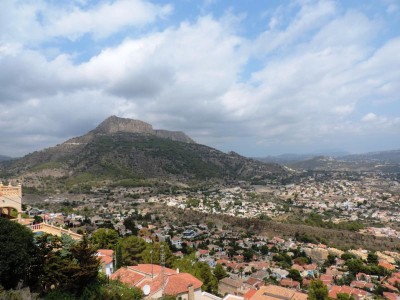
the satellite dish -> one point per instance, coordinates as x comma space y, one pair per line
146, 290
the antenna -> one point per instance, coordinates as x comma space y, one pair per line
162, 255
151, 252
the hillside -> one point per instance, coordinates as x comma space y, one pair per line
383, 161
121, 149
4, 158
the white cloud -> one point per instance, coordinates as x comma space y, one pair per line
314, 74
105, 19
370, 117
34, 22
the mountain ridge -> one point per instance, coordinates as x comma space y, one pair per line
130, 149
385, 161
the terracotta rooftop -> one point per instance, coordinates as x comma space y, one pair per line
231, 282
106, 252
179, 283
126, 276
106, 259
274, 292
148, 269
140, 275
249, 294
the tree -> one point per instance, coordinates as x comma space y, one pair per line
347, 256
331, 259
355, 266
71, 273
295, 275
113, 290
87, 262
372, 258
248, 255
203, 272
37, 219
17, 249
220, 272
264, 250
152, 254
67, 243
118, 257
104, 238
200, 270
317, 291
131, 225
132, 248
343, 296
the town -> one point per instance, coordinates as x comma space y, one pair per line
252, 264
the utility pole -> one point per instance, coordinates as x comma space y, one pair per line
162, 255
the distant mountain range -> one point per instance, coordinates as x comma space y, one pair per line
4, 158
385, 161
130, 150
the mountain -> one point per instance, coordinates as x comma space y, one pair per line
288, 158
384, 161
124, 149
285, 158
384, 157
4, 158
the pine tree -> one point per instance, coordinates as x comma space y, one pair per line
118, 257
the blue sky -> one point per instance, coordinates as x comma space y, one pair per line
257, 77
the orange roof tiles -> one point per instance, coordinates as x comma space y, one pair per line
148, 269
274, 292
126, 276
346, 290
106, 252
289, 282
106, 259
140, 275
390, 296
386, 265
179, 283
249, 294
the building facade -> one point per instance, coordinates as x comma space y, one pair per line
10, 198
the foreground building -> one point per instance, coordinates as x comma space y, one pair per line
10, 198
274, 292
156, 281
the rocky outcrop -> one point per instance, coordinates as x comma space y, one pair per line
115, 124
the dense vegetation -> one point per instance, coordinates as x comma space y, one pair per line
55, 268
131, 159
61, 268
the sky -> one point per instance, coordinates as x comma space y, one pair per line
259, 77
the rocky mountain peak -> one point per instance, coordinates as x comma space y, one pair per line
115, 124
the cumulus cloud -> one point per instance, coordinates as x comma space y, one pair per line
30, 22
316, 72
370, 117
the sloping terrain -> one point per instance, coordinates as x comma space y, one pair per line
128, 149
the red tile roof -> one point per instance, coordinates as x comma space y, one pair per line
346, 290
249, 294
310, 267
289, 282
386, 265
148, 269
179, 283
106, 259
127, 276
106, 252
390, 296
254, 281
140, 275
